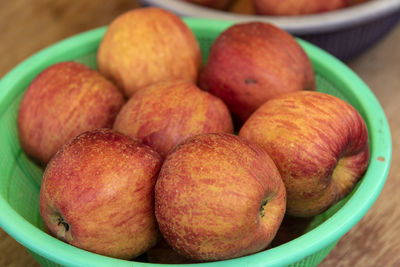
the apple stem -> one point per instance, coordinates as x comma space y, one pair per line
64, 223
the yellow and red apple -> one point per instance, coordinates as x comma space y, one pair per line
163, 114
63, 101
217, 197
147, 45
242, 7
319, 144
252, 62
300, 7
97, 194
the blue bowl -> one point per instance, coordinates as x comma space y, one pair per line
345, 33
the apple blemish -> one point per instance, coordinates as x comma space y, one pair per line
250, 81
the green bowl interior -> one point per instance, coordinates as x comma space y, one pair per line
20, 177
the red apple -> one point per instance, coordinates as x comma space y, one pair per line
242, 7
217, 4
63, 101
296, 7
97, 194
217, 197
147, 45
252, 62
319, 144
300, 7
165, 113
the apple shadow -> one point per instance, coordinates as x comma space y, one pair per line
290, 229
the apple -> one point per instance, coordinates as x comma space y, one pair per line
218, 197
296, 7
252, 62
300, 7
165, 113
319, 143
63, 101
242, 7
217, 4
146, 45
97, 194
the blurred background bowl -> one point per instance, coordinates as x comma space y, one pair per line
345, 33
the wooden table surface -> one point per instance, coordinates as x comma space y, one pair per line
28, 26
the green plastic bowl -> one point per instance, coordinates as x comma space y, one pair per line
20, 177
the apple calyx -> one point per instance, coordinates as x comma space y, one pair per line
264, 202
62, 228
63, 222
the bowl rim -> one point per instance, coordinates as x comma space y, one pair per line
305, 24
380, 141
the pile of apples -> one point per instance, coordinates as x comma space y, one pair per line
277, 7
156, 152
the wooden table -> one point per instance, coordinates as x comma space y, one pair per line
28, 26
